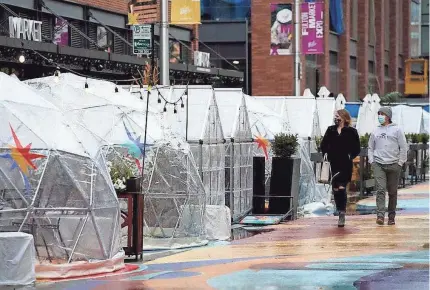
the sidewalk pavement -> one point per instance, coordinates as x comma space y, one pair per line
305, 254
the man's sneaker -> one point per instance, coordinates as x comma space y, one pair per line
341, 222
391, 222
380, 221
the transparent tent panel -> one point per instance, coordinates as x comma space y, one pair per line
174, 199
58, 211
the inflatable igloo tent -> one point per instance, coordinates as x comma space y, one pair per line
52, 188
174, 195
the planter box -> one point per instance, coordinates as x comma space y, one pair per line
133, 185
284, 182
317, 157
363, 152
369, 183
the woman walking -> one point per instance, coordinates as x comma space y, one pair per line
341, 144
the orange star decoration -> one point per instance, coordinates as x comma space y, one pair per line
263, 143
22, 155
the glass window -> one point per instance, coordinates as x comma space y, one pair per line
371, 67
353, 63
415, 12
400, 25
425, 40
387, 25
371, 22
354, 19
225, 9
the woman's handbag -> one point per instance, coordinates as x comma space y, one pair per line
325, 171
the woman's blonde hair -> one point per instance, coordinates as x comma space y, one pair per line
346, 117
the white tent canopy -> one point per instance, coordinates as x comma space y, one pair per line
426, 121
19, 102
409, 118
326, 108
340, 102
265, 121
367, 119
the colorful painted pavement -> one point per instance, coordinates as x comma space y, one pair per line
306, 254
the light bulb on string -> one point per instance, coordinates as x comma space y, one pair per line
57, 75
86, 85
182, 103
159, 99
165, 108
174, 110
116, 89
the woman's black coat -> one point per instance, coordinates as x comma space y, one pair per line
341, 149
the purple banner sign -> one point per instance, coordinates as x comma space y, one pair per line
312, 24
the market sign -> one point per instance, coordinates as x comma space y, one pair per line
185, 12
202, 59
25, 29
142, 39
312, 24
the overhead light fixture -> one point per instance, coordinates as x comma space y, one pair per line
21, 58
235, 62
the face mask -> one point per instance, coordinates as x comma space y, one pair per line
381, 119
336, 121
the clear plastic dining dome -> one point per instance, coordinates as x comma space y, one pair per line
53, 184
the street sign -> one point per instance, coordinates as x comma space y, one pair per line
142, 39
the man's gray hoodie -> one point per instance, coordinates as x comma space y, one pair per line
387, 145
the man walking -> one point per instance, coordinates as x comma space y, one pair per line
387, 153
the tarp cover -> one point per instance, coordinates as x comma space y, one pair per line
17, 259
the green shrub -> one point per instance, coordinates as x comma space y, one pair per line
364, 140
415, 138
285, 145
318, 141
424, 138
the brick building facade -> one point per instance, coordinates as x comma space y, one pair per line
368, 57
121, 6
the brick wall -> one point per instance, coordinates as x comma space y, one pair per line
271, 75
362, 47
274, 75
380, 44
394, 51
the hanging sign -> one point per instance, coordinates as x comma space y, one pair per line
185, 12
202, 59
25, 28
312, 25
142, 39
281, 29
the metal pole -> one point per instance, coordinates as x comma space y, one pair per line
297, 64
164, 43
247, 88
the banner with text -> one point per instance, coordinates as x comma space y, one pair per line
185, 12
312, 24
281, 30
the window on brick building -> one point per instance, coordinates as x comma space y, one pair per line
371, 28
354, 19
386, 71
225, 10
400, 25
334, 72
353, 79
371, 67
387, 25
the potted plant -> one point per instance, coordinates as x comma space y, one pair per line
425, 138
364, 144
124, 175
318, 141
285, 176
